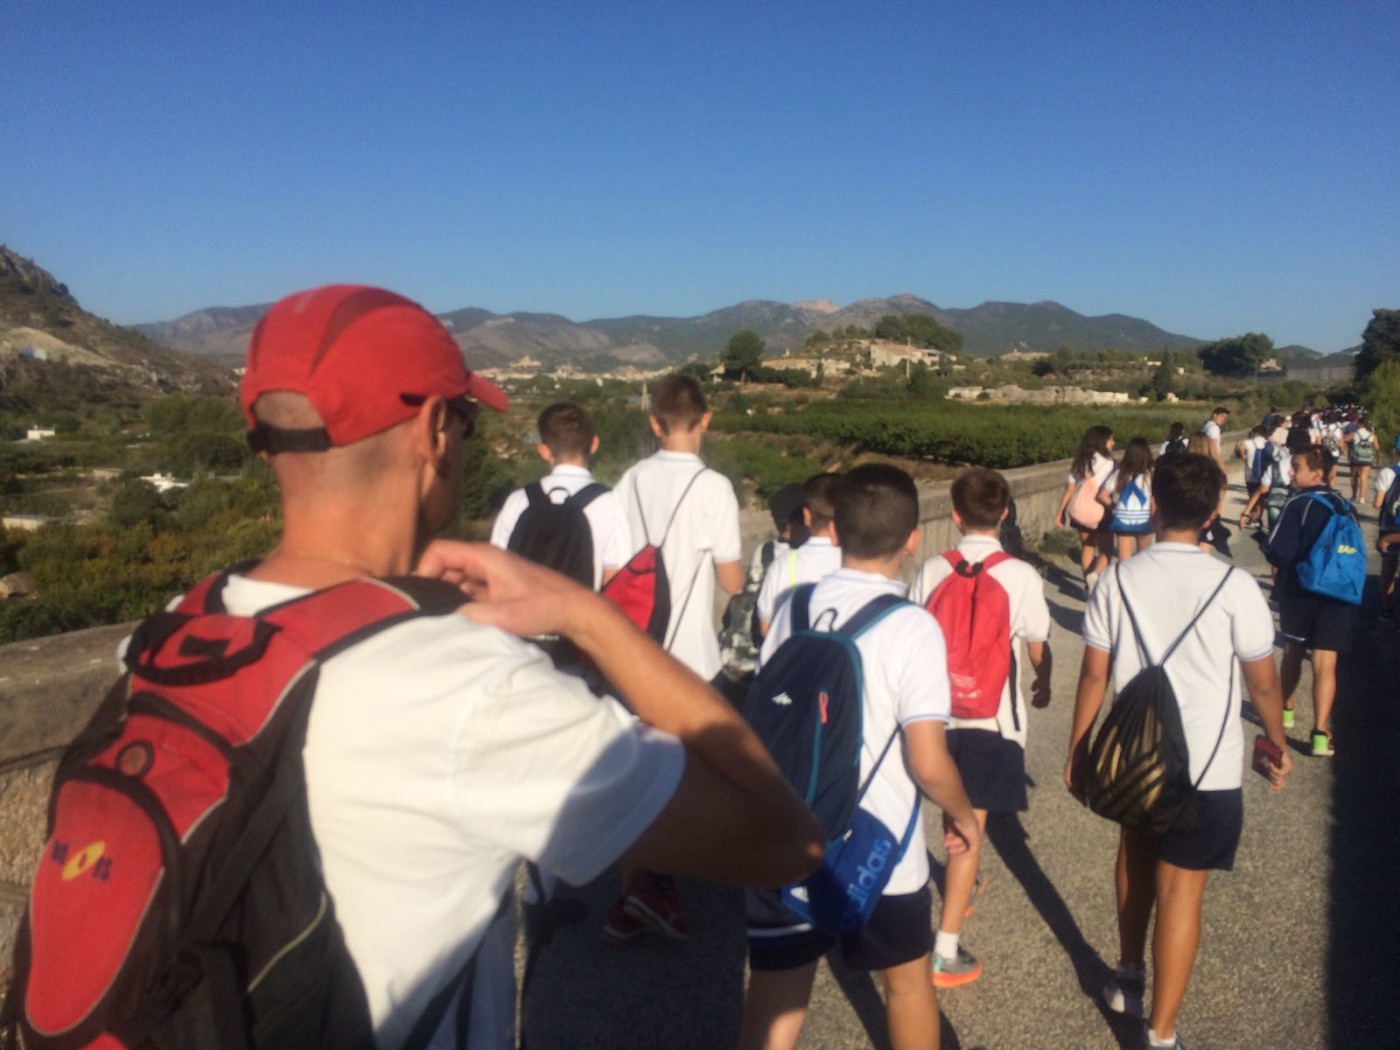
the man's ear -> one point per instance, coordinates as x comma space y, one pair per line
657, 428
705, 421
807, 517
593, 448
1004, 515
431, 439
544, 453
957, 518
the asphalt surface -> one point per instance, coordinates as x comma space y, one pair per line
1297, 946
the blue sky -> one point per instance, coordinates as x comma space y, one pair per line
1213, 168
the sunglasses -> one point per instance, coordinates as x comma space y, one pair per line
460, 408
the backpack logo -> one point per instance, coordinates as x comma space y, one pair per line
783, 700
89, 858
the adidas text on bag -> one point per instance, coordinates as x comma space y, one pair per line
1335, 565
1139, 765
179, 900
974, 611
641, 588
557, 535
807, 706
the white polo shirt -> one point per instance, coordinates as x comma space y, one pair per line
612, 544
705, 533
805, 564
439, 753
906, 680
1167, 584
1030, 622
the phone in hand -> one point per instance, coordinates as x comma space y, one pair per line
1268, 756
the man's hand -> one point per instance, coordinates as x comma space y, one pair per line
1040, 693
1278, 774
509, 592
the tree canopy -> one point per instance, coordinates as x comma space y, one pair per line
742, 354
1379, 343
918, 330
1239, 355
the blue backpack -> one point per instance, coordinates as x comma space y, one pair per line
1260, 463
1335, 566
806, 705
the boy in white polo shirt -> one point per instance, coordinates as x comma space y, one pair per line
989, 752
808, 563
676, 502
567, 441
906, 692
1170, 870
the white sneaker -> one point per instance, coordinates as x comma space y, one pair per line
1123, 994
1150, 1041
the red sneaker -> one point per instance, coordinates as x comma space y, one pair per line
620, 927
659, 906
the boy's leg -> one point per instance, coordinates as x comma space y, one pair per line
1174, 942
1324, 668
1290, 671
1135, 874
911, 1006
959, 881
776, 1007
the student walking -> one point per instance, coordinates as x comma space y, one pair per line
1211, 429
992, 610
1087, 501
1314, 624
1361, 449
905, 704
1176, 440
1217, 617
690, 513
584, 523
1132, 508
818, 555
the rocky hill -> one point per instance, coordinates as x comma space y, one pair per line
45, 332
490, 339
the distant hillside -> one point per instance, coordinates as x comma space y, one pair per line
43, 331
490, 339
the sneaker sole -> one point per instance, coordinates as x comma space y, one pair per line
618, 939
639, 911
944, 979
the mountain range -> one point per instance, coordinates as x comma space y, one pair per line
490, 339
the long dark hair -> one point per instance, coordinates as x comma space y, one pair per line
1137, 460
1094, 441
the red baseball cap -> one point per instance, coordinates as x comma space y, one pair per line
364, 357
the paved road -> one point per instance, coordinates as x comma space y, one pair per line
1297, 948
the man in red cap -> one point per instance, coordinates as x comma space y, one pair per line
443, 750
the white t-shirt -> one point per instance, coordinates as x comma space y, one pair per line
705, 533
1382, 481
1203, 671
757, 570
806, 564
438, 754
1252, 445
906, 680
1211, 429
1030, 622
612, 545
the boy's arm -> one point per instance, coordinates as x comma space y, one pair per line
1042, 663
1088, 699
1265, 692
733, 816
1390, 539
926, 752
730, 576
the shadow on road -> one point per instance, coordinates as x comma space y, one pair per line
1363, 982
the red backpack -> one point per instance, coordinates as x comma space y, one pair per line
641, 588
975, 613
179, 901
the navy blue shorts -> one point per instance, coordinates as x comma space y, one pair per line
993, 769
900, 930
1315, 622
1211, 844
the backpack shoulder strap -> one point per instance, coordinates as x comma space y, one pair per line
802, 607
677, 508
996, 558
586, 495
871, 613
534, 494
